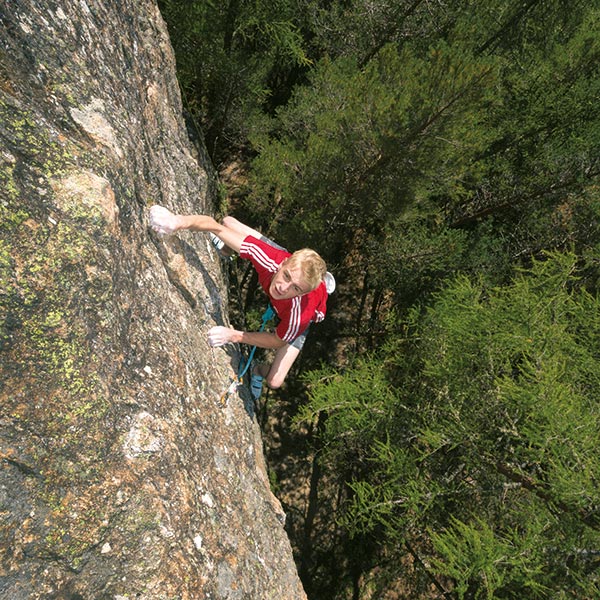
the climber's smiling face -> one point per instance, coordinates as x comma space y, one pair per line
288, 283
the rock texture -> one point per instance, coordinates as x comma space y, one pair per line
123, 473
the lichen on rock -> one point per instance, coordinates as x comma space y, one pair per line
123, 473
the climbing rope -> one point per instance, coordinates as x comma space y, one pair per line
243, 367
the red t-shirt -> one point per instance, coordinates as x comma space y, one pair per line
295, 313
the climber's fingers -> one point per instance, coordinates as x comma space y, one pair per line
218, 336
162, 220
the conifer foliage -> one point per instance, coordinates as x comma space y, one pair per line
443, 157
480, 450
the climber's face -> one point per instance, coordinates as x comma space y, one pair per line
288, 283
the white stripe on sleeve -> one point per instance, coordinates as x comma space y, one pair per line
259, 255
295, 321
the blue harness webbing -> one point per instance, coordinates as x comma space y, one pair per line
267, 316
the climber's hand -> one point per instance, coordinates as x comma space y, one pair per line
219, 336
162, 220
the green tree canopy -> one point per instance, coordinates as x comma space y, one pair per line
473, 438
443, 158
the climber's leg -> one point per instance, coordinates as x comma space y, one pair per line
285, 357
240, 227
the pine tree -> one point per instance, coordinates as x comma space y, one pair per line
477, 446
232, 58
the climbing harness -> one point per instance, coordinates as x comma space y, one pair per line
237, 380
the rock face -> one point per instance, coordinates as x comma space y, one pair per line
124, 473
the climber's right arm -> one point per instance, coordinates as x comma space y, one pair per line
162, 220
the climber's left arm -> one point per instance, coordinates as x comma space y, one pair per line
218, 336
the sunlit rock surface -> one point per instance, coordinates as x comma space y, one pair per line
124, 475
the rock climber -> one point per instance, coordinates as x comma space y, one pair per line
297, 285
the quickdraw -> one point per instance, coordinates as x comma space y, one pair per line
233, 386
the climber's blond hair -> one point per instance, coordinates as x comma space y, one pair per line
311, 265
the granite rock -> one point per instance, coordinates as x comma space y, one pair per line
125, 474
